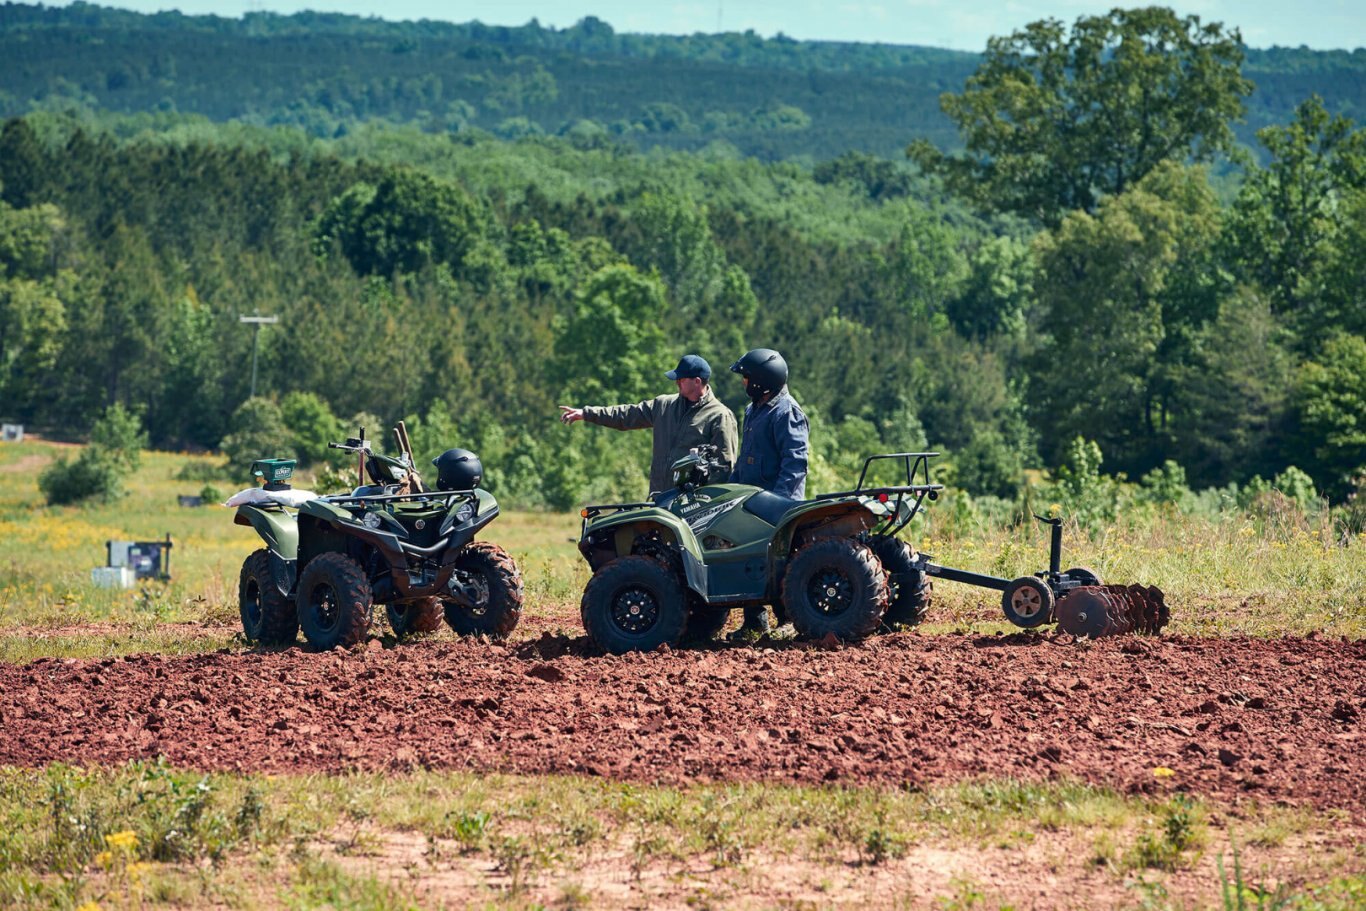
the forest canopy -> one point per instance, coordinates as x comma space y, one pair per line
1205, 315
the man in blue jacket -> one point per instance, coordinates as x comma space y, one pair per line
773, 445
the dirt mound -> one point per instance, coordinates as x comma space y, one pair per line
1271, 719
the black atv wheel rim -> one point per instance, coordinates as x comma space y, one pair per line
480, 584
325, 607
635, 609
251, 605
831, 592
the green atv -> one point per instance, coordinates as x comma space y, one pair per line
394, 542
671, 570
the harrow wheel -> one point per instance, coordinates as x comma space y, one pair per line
634, 604
1084, 575
1027, 602
1084, 613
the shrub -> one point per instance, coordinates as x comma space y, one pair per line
989, 466
95, 474
1082, 490
311, 426
258, 432
119, 433
116, 443
1351, 515
1166, 486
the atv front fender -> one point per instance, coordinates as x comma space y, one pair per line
611, 537
279, 529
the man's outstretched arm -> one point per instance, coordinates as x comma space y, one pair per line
618, 417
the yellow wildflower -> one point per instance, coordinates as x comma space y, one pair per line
104, 858
136, 870
89, 906
1163, 772
126, 840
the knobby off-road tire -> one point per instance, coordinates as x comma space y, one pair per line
835, 586
499, 606
634, 604
412, 617
908, 601
268, 617
334, 602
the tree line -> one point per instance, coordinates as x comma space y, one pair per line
469, 284
774, 98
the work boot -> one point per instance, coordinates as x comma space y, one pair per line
755, 626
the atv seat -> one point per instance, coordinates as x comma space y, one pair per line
769, 506
369, 490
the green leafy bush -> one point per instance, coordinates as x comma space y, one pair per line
311, 426
258, 432
93, 475
116, 443
119, 433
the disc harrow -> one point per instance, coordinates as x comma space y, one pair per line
1095, 611
1076, 598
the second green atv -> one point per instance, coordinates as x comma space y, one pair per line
672, 569
329, 560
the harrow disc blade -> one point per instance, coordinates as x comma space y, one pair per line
1110, 610
1083, 612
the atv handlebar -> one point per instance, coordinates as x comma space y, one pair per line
352, 445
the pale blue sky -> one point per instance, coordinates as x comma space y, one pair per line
959, 24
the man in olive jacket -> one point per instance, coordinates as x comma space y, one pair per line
681, 422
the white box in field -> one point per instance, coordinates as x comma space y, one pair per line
113, 576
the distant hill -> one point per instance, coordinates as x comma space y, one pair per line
772, 98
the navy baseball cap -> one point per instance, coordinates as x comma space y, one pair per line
690, 365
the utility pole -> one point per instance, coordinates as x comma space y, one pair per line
256, 342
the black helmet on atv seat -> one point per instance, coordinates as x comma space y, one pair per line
458, 469
765, 369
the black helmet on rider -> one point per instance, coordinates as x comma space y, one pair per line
458, 469
765, 369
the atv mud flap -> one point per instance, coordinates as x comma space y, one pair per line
1094, 611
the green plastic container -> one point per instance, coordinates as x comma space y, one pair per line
273, 471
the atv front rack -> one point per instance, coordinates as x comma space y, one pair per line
446, 495
915, 490
591, 512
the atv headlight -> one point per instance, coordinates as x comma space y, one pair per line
370, 520
465, 512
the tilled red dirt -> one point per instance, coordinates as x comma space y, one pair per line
1276, 720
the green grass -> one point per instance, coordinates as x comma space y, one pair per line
1240, 575
149, 834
